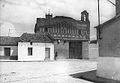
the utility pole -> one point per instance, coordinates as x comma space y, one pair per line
98, 29
98, 12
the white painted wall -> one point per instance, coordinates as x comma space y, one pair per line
38, 51
93, 51
14, 50
51, 46
109, 67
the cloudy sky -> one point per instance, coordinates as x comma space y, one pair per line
19, 16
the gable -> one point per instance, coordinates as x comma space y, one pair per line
41, 38
109, 22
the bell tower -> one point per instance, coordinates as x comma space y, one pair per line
48, 15
84, 16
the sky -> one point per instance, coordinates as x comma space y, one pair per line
19, 16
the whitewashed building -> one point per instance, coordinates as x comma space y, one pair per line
35, 47
28, 47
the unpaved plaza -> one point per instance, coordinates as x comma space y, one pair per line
44, 72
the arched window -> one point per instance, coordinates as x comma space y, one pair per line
84, 17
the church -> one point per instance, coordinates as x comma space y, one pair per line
71, 37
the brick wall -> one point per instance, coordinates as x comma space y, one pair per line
62, 49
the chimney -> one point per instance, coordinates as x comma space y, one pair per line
117, 7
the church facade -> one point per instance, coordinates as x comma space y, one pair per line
71, 37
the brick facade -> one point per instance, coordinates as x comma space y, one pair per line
67, 33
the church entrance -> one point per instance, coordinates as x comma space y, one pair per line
75, 50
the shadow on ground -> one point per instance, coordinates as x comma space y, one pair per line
91, 76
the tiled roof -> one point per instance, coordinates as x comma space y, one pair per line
62, 20
42, 38
58, 19
13, 41
9, 41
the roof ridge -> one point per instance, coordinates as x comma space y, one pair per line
5, 40
108, 21
35, 37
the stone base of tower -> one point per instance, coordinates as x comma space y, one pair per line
109, 67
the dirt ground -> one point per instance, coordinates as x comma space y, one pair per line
44, 72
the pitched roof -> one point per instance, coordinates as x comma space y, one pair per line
9, 41
58, 19
42, 38
117, 17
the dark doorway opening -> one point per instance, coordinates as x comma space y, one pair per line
75, 50
47, 53
7, 51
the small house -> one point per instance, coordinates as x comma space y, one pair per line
9, 48
35, 47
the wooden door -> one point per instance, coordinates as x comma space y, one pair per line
7, 51
75, 50
47, 53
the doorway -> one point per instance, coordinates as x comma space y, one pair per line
75, 50
47, 53
7, 51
